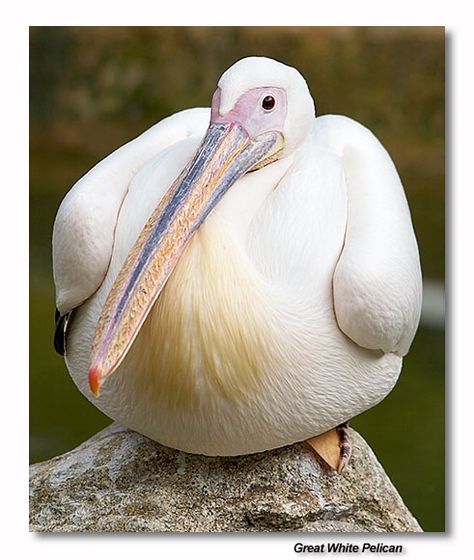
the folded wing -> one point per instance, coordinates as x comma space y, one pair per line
377, 281
83, 234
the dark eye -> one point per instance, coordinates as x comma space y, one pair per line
268, 103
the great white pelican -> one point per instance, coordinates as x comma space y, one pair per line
242, 277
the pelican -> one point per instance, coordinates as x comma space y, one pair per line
239, 278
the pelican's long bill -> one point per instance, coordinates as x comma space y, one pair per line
224, 155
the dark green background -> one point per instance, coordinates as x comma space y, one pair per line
92, 89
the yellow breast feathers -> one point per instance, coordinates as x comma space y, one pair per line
211, 331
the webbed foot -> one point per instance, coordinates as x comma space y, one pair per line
333, 448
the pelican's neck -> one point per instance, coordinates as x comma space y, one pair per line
243, 200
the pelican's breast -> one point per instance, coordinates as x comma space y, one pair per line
212, 330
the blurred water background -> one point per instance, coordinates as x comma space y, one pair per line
93, 89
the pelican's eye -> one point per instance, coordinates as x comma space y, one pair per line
268, 103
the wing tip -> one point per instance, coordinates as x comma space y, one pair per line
59, 340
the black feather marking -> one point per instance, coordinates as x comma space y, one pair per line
60, 332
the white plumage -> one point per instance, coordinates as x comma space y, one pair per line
290, 309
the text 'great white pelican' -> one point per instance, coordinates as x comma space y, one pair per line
240, 278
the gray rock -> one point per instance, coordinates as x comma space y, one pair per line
121, 481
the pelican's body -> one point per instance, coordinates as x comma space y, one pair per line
288, 311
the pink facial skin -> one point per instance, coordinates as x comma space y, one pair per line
249, 112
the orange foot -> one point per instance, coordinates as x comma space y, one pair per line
333, 448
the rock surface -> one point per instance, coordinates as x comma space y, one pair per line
121, 481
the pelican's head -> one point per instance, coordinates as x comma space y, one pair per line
263, 95
261, 111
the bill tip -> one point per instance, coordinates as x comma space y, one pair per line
94, 380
